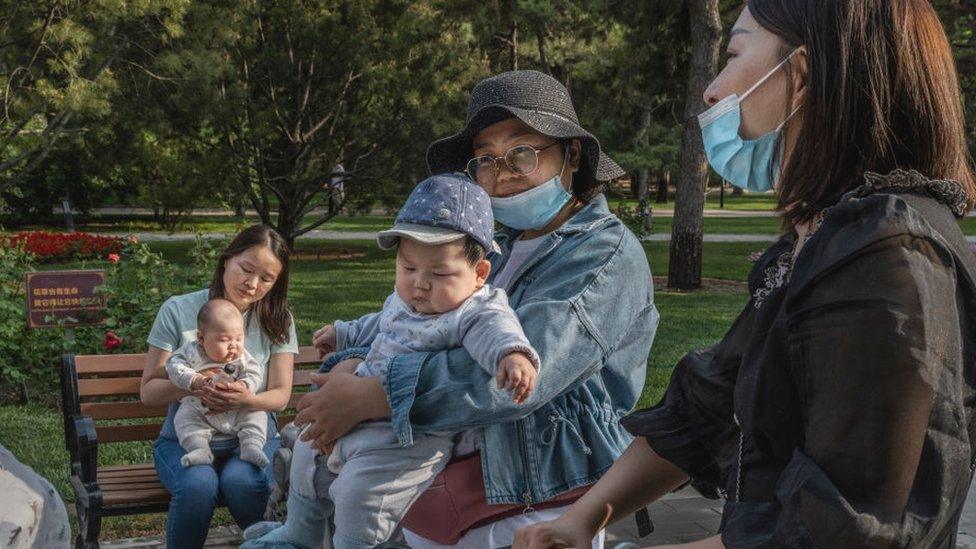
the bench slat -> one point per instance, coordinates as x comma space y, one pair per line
150, 431
127, 433
293, 401
97, 364
134, 363
130, 484
133, 482
125, 496
129, 386
125, 386
120, 386
114, 469
302, 378
121, 410
121, 472
308, 355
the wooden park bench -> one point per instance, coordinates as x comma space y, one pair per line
100, 403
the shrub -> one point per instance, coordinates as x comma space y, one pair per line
136, 284
633, 218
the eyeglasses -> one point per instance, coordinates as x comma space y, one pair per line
520, 159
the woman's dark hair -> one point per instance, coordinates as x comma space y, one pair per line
272, 309
882, 94
584, 185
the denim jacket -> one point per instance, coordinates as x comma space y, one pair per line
586, 302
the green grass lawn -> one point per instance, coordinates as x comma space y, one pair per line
746, 202
322, 291
661, 224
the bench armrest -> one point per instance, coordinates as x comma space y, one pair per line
88, 495
83, 445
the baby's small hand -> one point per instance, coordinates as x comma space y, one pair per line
324, 340
517, 374
197, 382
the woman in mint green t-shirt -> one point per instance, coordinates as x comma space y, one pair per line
252, 273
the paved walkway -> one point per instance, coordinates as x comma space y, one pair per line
217, 212
967, 523
368, 235
680, 517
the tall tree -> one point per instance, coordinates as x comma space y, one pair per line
651, 62
57, 63
684, 268
959, 18
291, 91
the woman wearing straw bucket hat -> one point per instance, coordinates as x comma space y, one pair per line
581, 286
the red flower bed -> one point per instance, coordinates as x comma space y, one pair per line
49, 247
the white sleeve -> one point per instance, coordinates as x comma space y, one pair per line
179, 366
251, 376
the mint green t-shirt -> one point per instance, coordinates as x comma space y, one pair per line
176, 324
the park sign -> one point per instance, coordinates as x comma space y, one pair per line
65, 298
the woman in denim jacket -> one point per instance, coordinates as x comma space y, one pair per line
580, 283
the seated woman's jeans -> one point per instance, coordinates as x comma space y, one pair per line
196, 490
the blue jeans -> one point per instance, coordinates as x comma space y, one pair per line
196, 490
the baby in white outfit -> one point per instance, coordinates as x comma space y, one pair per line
217, 355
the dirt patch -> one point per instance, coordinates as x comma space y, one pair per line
717, 285
326, 254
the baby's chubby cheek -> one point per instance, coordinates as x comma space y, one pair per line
452, 298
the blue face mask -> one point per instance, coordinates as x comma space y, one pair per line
534, 208
748, 164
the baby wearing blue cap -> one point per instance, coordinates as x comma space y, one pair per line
441, 301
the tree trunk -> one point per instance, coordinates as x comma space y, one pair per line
663, 184
644, 173
513, 45
287, 224
684, 269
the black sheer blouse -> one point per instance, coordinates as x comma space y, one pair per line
838, 410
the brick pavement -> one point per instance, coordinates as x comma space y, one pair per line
678, 518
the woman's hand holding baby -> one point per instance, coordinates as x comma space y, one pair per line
342, 401
517, 374
224, 396
324, 340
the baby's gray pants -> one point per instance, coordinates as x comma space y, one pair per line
371, 479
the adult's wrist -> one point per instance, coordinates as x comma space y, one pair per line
589, 516
376, 405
